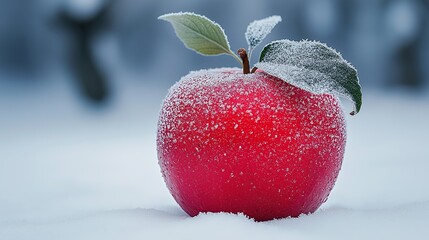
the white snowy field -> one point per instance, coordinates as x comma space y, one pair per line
71, 172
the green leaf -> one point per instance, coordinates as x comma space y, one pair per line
258, 30
312, 66
199, 33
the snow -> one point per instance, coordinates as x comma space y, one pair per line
70, 172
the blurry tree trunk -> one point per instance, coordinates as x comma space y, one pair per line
408, 70
91, 79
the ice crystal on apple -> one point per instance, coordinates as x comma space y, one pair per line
216, 124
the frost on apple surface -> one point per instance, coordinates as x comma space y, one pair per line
236, 120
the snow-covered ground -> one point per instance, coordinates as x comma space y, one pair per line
68, 171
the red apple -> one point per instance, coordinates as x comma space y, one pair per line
268, 141
249, 143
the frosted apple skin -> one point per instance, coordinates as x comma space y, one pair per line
251, 144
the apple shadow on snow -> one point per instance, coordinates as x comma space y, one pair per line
175, 213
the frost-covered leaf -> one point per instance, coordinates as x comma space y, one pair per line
258, 30
312, 66
199, 33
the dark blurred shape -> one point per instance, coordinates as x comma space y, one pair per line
91, 79
407, 57
136, 27
412, 19
16, 52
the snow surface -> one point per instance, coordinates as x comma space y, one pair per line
71, 172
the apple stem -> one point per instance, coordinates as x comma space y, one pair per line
254, 70
243, 55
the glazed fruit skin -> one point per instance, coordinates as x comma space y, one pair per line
252, 144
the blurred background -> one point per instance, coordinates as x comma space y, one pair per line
90, 44
81, 82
